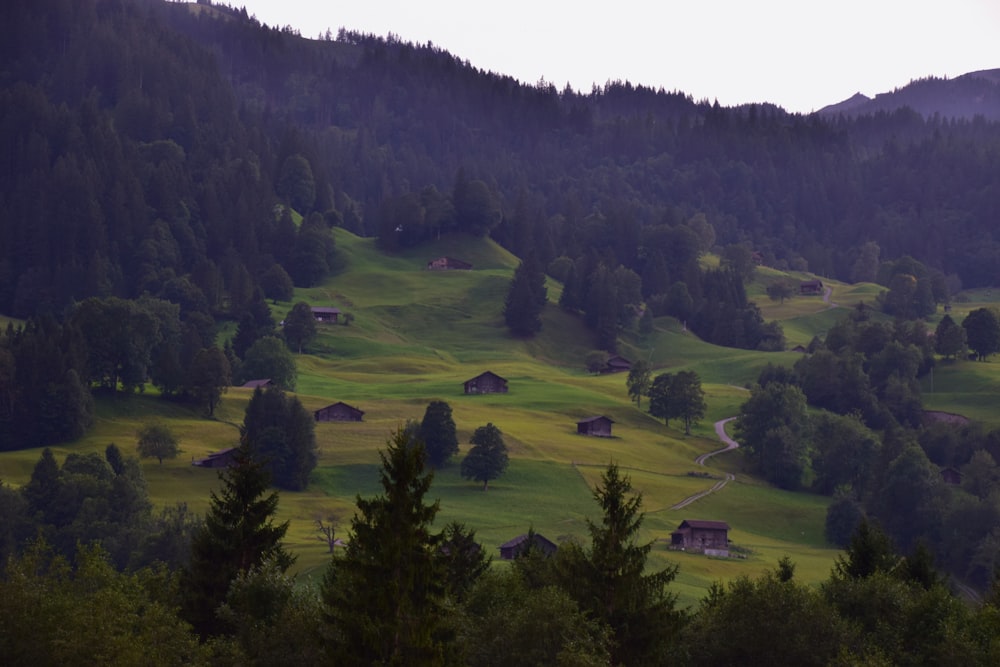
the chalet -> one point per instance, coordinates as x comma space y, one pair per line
255, 384
951, 476
220, 459
801, 349
711, 537
448, 264
326, 314
811, 287
599, 426
338, 412
517, 546
617, 364
486, 383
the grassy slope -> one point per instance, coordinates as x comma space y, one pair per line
417, 335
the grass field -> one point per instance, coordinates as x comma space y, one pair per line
417, 335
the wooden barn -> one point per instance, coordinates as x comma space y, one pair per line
617, 364
255, 384
486, 383
220, 459
515, 547
811, 287
323, 314
697, 535
599, 426
338, 412
448, 264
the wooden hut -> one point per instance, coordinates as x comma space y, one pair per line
598, 426
515, 547
486, 383
326, 315
448, 264
220, 459
711, 537
338, 412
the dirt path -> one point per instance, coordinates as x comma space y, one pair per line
826, 297
720, 430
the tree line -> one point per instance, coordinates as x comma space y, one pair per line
230, 599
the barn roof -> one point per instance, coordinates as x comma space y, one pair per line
325, 310
588, 420
699, 523
521, 539
333, 405
484, 374
253, 384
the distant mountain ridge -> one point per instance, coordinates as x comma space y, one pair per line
966, 96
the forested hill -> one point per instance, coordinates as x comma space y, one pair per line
146, 145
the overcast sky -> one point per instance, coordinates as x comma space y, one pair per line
799, 54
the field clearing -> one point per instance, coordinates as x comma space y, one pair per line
418, 335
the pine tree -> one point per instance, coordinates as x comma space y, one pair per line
615, 588
437, 430
281, 433
526, 298
383, 594
238, 534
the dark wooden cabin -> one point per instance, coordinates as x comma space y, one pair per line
255, 384
515, 547
811, 287
486, 383
699, 535
220, 459
599, 426
338, 412
323, 314
448, 264
617, 364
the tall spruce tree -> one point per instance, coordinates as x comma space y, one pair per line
526, 298
615, 588
281, 433
437, 430
239, 533
384, 593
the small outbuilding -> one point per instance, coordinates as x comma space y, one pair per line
338, 412
220, 459
711, 537
814, 286
599, 426
617, 364
258, 384
486, 383
326, 315
517, 546
448, 264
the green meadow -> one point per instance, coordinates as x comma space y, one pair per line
417, 335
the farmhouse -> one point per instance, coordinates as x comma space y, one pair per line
617, 364
220, 459
811, 287
448, 264
599, 426
338, 412
517, 546
326, 314
710, 537
255, 384
486, 383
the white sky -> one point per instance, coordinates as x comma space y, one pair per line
799, 54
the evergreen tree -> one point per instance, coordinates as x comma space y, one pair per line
239, 533
614, 586
282, 435
384, 593
949, 338
437, 431
526, 298
487, 459
463, 559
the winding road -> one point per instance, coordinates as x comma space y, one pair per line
720, 430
